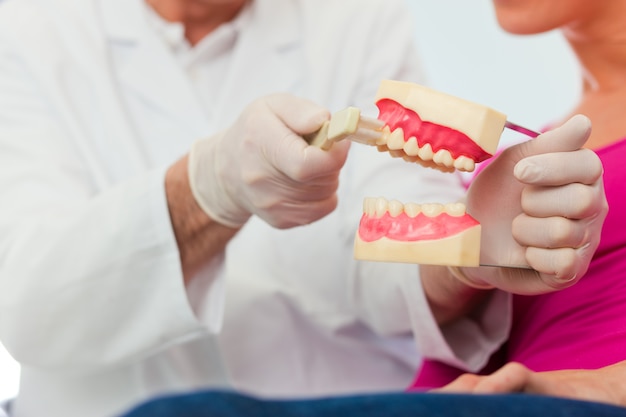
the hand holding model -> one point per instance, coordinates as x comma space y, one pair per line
262, 166
548, 216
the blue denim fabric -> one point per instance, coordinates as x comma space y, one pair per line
228, 404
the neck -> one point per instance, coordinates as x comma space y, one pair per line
199, 18
600, 45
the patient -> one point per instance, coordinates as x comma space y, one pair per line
570, 343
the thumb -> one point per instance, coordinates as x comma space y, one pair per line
570, 136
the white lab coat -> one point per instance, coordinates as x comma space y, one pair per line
93, 108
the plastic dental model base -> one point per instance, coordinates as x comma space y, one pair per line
434, 234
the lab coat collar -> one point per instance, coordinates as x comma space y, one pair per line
119, 19
149, 68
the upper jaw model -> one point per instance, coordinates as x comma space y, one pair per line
436, 129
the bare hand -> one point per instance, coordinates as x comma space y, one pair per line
602, 385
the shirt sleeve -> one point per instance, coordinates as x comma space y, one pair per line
467, 343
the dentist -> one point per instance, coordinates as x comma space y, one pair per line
164, 227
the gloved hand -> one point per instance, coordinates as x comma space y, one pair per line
261, 165
540, 203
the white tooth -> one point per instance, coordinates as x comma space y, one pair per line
396, 139
369, 206
395, 208
426, 152
432, 210
443, 157
455, 209
463, 163
410, 147
381, 206
412, 209
382, 140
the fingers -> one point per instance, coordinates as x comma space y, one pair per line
295, 117
549, 233
291, 213
557, 247
512, 377
303, 163
572, 201
559, 268
558, 168
464, 383
560, 217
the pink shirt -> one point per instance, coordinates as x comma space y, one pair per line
583, 326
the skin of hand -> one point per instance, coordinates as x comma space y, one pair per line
540, 203
601, 385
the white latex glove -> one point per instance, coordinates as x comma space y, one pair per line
540, 203
262, 166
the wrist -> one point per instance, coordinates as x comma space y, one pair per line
198, 237
458, 273
208, 188
448, 297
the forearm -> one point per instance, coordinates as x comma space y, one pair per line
199, 238
448, 298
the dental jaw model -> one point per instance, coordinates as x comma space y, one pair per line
422, 125
438, 131
425, 234
435, 129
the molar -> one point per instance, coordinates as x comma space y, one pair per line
443, 157
463, 163
455, 209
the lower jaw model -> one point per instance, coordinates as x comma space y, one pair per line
438, 131
425, 234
